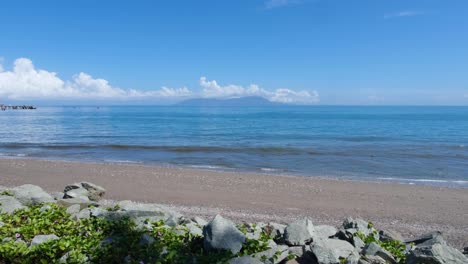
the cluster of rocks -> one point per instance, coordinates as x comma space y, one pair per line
298, 242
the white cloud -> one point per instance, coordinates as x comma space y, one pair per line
211, 89
27, 82
403, 14
269, 4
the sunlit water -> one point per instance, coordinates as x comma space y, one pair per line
404, 144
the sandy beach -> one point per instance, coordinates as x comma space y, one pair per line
409, 209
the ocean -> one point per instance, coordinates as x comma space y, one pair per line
413, 145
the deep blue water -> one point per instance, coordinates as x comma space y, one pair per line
404, 144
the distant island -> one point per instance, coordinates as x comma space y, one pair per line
242, 102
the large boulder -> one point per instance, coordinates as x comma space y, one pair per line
299, 232
389, 235
354, 225
8, 204
39, 239
331, 251
29, 194
428, 239
134, 210
324, 231
436, 254
221, 233
84, 190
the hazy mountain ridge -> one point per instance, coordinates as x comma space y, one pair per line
242, 101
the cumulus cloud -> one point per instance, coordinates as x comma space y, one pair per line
269, 4
211, 89
24, 81
403, 14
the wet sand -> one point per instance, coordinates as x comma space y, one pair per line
409, 209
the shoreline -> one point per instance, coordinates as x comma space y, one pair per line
409, 209
448, 183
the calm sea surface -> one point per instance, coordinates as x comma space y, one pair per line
404, 144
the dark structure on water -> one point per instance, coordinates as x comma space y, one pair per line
16, 107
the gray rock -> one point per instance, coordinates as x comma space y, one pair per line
298, 251
353, 259
74, 209
146, 240
244, 260
133, 209
29, 194
72, 201
80, 193
428, 239
373, 260
221, 233
331, 251
389, 235
2, 223
39, 239
437, 253
45, 208
200, 221
253, 231
324, 231
83, 214
274, 255
95, 192
358, 243
358, 225
373, 249
194, 229
9, 204
299, 233
276, 230
57, 195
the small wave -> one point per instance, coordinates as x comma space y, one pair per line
13, 155
210, 167
422, 180
269, 169
122, 161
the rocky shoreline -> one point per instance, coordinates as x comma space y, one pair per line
216, 241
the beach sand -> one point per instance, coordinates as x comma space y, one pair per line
409, 209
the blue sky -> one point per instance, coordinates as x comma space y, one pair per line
299, 51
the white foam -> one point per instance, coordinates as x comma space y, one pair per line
268, 169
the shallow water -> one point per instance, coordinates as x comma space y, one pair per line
405, 144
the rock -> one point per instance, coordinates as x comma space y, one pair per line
373, 260
146, 240
358, 225
221, 233
437, 253
39, 239
2, 223
274, 255
95, 192
331, 251
428, 239
74, 209
353, 259
253, 231
244, 260
133, 209
324, 231
276, 230
80, 193
9, 204
45, 208
373, 249
200, 221
465, 250
57, 195
358, 244
72, 201
389, 235
194, 229
29, 194
83, 214
299, 232
298, 251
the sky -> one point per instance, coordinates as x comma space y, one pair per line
325, 52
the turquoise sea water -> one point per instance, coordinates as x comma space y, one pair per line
404, 144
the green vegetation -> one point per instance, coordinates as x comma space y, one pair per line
103, 241
395, 247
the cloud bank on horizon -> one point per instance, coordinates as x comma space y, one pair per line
25, 82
